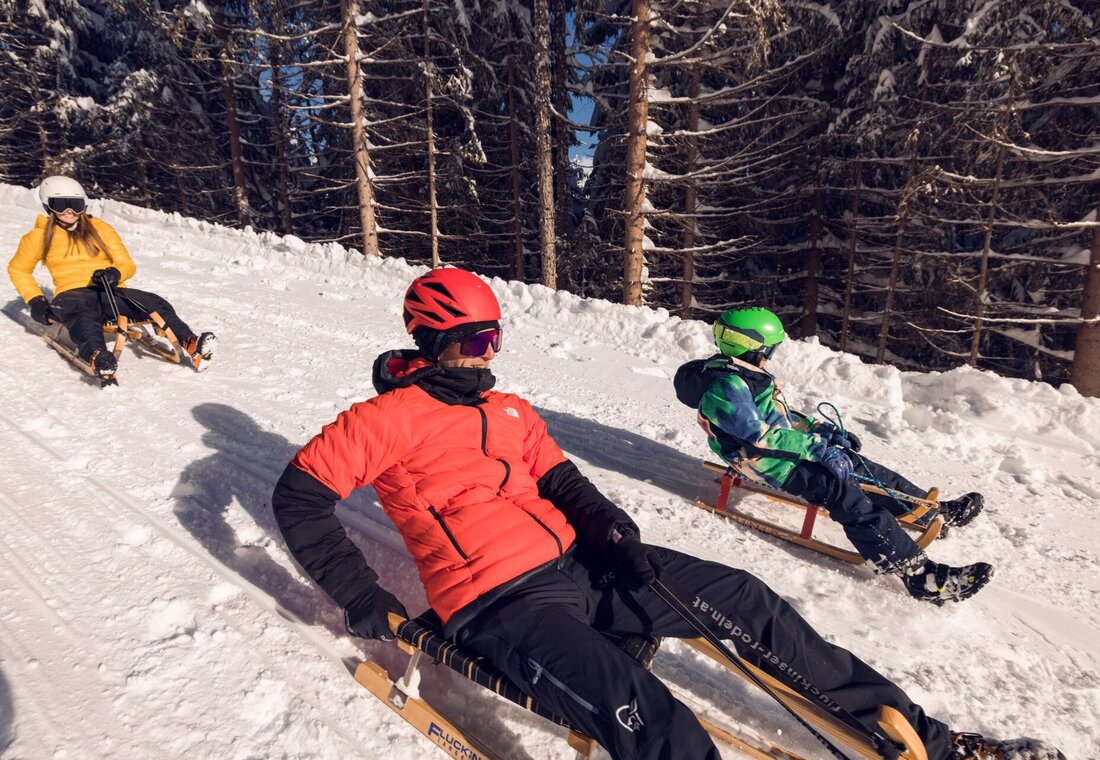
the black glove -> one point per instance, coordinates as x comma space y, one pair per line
103, 277
837, 461
41, 311
366, 617
845, 440
636, 564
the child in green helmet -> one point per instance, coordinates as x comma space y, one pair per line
750, 427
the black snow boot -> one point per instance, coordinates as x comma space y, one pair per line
961, 511
932, 582
977, 747
104, 363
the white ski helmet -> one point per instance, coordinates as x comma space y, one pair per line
60, 187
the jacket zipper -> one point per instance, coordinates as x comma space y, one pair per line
507, 474
553, 535
443, 524
485, 450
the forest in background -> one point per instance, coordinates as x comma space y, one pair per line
913, 181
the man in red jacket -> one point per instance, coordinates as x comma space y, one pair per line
526, 563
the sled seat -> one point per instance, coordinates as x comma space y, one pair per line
424, 635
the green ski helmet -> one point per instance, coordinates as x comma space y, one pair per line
743, 331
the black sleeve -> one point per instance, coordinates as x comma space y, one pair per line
305, 511
590, 513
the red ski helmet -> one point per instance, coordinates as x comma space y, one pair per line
446, 298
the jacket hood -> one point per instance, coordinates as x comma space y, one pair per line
452, 385
399, 369
695, 377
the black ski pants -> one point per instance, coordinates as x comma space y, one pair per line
891, 480
868, 519
547, 636
83, 311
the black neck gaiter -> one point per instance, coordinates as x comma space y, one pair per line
458, 385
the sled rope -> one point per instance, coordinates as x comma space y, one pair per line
870, 476
883, 746
110, 293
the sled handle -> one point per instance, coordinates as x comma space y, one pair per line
894, 725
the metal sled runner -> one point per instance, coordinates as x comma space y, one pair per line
923, 517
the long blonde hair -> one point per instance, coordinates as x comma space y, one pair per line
83, 234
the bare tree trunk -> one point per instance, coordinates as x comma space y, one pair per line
513, 147
229, 93
348, 10
43, 137
430, 134
286, 214
562, 131
182, 194
691, 222
637, 119
808, 323
542, 138
983, 274
1085, 373
895, 264
853, 237
987, 239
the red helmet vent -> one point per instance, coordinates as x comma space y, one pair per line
446, 298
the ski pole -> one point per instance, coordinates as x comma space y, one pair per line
881, 745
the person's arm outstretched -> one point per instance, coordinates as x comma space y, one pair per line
347, 454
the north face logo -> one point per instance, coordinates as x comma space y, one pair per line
511, 412
628, 717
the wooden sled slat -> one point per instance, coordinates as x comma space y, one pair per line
422, 716
417, 640
916, 520
892, 722
785, 533
125, 329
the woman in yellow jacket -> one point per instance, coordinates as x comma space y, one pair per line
86, 257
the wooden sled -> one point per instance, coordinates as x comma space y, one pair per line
893, 723
923, 517
150, 335
421, 636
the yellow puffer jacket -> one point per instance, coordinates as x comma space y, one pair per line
70, 265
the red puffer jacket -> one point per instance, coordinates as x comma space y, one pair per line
460, 482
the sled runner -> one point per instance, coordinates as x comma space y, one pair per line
150, 335
892, 722
423, 636
923, 517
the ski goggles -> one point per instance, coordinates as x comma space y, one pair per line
61, 205
478, 343
735, 337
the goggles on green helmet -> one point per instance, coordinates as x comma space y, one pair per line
734, 337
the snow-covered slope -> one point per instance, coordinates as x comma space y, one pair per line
149, 609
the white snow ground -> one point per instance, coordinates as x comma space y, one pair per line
148, 608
